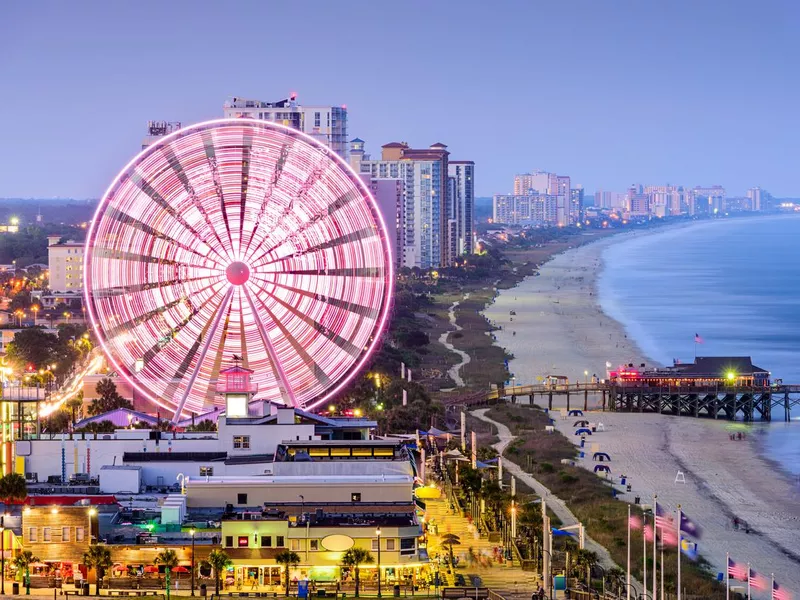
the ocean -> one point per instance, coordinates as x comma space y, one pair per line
733, 282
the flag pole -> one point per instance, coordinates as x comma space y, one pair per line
663, 595
680, 516
748, 581
655, 538
772, 587
727, 576
628, 577
644, 554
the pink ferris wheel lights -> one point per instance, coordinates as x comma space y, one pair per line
237, 237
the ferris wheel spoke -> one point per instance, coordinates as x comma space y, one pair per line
353, 307
181, 174
266, 201
146, 188
320, 375
344, 344
247, 147
211, 155
126, 219
123, 290
287, 393
204, 339
355, 236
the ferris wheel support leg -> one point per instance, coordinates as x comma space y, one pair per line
221, 311
273, 356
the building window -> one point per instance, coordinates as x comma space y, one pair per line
79, 534
32, 534
241, 498
266, 541
206, 471
390, 544
280, 542
407, 545
46, 534
228, 541
294, 545
316, 119
375, 545
65, 534
314, 544
355, 497
241, 442
243, 541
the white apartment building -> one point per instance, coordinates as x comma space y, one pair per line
65, 264
709, 200
327, 124
530, 209
757, 198
157, 130
540, 182
461, 205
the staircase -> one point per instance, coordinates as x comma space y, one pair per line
492, 573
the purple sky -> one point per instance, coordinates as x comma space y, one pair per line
610, 92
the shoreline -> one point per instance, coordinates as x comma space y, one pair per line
562, 329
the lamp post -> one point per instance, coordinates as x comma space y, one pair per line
191, 533
378, 534
92, 512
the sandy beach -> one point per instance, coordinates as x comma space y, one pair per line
561, 330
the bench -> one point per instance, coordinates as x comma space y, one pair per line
480, 593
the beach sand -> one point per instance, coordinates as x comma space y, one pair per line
561, 330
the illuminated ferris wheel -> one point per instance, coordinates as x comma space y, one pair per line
237, 237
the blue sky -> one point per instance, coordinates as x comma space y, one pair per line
610, 92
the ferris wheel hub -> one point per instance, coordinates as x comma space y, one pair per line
237, 273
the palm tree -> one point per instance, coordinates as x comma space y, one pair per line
615, 577
99, 558
288, 559
219, 561
449, 540
169, 559
586, 559
355, 557
23, 562
13, 488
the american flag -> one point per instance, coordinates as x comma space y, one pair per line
648, 533
778, 593
663, 520
634, 522
736, 570
698, 339
757, 581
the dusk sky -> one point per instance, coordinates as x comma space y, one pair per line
610, 92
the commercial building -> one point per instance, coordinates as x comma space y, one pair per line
326, 124
577, 199
530, 209
709, 200
423, 215
759, 199
65, 265
157, 130
461, 206
542, 183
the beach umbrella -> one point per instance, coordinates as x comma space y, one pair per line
39, 565
151, 569
180, 569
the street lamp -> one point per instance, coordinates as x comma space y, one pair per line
378, 533
67, 315
92, 512
35, 309
191, 533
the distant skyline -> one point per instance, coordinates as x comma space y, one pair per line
611, 93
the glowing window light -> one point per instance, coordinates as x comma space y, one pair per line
237, 236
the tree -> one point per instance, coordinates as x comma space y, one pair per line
586, 559
101, 427
23, 562
204, 425
13, 488
219, 561
288, 559
355, 557
57, 422
75, 406
615, 578
32, 345
168, 558
98, 557
109, 398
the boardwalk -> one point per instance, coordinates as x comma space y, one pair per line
763, 403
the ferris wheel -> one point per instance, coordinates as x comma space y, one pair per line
237, 237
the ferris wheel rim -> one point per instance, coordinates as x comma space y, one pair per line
105, 202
